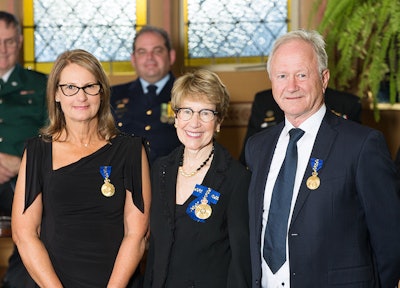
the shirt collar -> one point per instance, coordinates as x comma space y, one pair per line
7, 74
310, 125
160, 84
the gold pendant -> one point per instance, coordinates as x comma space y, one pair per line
107, 188
313, 182
203, 210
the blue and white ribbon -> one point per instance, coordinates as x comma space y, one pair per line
202, 193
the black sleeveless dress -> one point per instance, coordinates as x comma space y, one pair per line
81, 228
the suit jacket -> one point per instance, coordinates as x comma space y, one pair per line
136, 114
265, 112
224, 237
347, 231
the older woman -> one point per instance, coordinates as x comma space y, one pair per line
199, 218
81, 206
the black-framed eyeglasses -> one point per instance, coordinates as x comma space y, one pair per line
185, 114
71, 90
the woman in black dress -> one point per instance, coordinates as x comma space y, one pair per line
199, 216
81, 206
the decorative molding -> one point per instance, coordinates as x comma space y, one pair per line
238, 114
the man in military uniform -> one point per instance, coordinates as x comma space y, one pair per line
265, 112
142, 107
22, 112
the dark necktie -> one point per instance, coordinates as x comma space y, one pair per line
151, 90
1, 83
274, 251
151, 95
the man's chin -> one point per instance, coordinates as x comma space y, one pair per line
4, 66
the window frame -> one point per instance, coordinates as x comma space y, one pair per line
244, 62
112, 68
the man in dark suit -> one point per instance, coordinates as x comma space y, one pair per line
22, 113
139, 110
265, 112
341, 226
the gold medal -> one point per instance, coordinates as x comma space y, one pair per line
107, 188
313, 181
203, 210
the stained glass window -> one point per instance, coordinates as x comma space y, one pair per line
104, 28
232, 30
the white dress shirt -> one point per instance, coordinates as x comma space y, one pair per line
304, 147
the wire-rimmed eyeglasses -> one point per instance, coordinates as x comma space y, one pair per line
185, 114
71, 90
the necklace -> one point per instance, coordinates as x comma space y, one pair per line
183, 173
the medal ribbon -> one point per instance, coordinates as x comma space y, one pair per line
201, 192
105, 171
316, 164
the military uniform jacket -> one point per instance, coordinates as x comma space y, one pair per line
141, 116
22, 109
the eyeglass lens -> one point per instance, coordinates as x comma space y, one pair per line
70, 90
205, 115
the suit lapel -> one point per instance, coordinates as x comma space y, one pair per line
168, 193
322, 147
216, 174
171, 190
262, 166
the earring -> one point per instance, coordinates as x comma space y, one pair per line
57, 100
218, 130
175, 125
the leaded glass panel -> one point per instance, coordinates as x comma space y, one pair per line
234, 28
104, 28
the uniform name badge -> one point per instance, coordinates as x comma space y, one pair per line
200, 209
107, 189
313, 181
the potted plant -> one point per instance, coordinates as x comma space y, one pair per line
363, 44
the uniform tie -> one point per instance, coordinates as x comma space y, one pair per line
151, 96
151, 90
274, 251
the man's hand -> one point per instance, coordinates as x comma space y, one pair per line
9, 167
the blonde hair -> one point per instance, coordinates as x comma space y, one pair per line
198, 84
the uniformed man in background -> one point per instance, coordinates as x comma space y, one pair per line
22, 112
142, 107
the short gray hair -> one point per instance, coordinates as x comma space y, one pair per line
312, 37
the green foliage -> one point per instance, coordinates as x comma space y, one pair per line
363, 44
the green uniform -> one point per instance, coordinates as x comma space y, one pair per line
22, 113
22, 109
